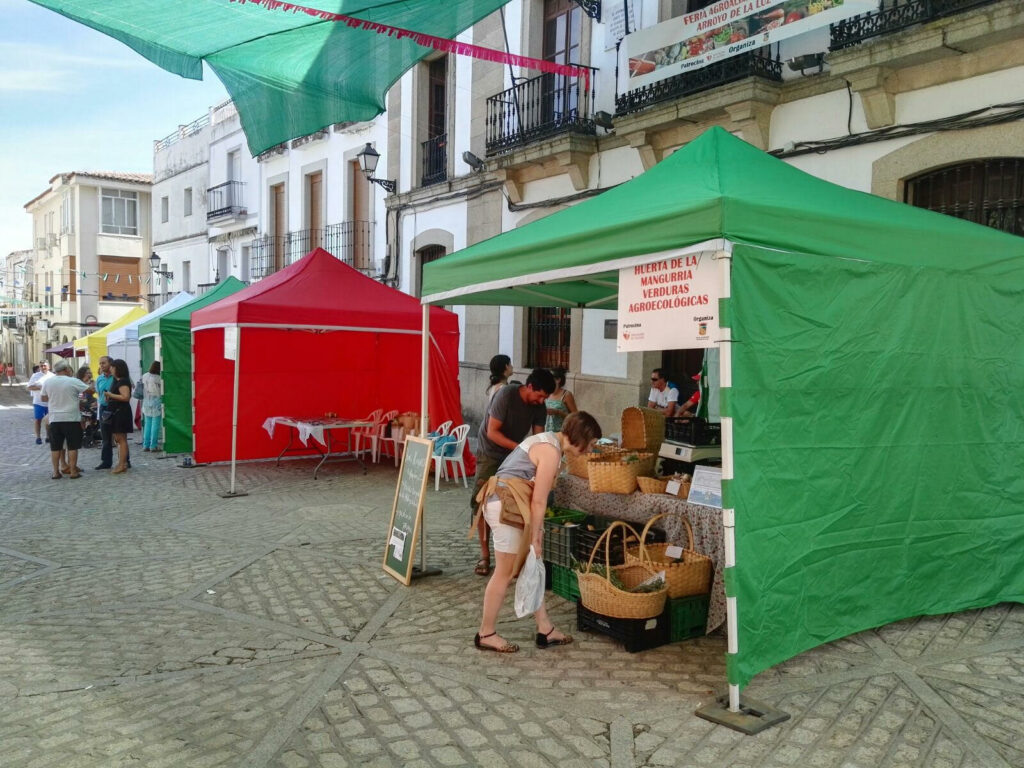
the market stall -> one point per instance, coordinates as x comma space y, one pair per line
168, 338
95, 344
123, 342
871, 356
316, 338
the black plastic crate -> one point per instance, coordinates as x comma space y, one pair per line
693, 431
590, 531
687, 617
635, 634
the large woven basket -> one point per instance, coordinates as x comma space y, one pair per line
660, 484
598, 594
690, 576
643, 429
578, 464
617, 472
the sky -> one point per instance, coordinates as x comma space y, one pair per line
72, 99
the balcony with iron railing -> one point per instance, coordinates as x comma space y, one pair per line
435, 160
540, 108
350, 242
894, 16
225, 200
756, 63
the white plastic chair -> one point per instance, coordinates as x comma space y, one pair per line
358, 434
455, 459
442, 429
377, 438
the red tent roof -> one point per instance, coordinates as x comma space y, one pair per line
321, 291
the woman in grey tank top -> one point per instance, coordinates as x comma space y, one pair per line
537, 459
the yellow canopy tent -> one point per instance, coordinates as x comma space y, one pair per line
95, 344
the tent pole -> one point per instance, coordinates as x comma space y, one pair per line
234, 412
424, 387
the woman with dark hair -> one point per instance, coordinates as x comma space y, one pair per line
119, 405
532, 467
152, 406
560, 404
501, 369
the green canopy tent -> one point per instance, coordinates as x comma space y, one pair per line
873, 427
174, 330
290, 69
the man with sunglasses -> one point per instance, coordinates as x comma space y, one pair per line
664, 394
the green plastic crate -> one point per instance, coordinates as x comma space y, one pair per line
560, 541
564, 582
687, 617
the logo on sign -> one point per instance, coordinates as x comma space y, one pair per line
702, 329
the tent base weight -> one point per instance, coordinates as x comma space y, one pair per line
418, 574
751, 719
232, 494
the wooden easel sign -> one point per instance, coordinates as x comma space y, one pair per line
407, 511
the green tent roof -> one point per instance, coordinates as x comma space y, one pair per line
289, 73
717, 186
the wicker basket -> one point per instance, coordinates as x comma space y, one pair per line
643, 429
652, 484
691, 576
598, 594
617, 472
578, 464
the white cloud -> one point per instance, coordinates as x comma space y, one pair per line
34, 80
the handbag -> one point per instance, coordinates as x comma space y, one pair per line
140, 390
107, 416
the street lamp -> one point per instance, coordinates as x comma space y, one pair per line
154, 265
368, 164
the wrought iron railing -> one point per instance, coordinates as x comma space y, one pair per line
202, 288
435, 160
757, 63
540, 108
350, 242
225, 199
893, 16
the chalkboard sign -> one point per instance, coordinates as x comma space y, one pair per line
408, 508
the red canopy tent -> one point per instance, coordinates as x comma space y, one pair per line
317, 337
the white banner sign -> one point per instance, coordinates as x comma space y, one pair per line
231, 342
722, 30
671, 303
613, 14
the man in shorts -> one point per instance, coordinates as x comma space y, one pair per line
60, 393
515, 412
35, 386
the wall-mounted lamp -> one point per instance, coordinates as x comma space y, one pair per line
368, 164
154, 265
807, 61
473, 161
603, 120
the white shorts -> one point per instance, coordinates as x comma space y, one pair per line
506, 537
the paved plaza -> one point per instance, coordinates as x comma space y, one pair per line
145, 621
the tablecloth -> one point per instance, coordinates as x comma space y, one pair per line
574, 492
314, 428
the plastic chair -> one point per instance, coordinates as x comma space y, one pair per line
452, 456
357, 434
441, 429
377, 438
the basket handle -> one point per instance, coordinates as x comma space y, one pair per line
643, 538
606, 538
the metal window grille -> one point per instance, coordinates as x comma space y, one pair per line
547, 330
989, 192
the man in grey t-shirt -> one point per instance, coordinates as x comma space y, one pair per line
515, 412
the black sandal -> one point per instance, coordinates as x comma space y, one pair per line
482, 568
506, 648
544, 639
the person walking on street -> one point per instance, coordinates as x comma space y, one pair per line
515, 412
152, 406
12, 376
35, 386
60, 392
119, 410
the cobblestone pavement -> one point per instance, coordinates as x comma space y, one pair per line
145, 621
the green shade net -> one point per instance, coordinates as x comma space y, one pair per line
877, 366
289, 74
175, 331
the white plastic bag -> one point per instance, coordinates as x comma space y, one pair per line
530, 585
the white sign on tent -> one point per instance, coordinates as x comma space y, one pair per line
669, 303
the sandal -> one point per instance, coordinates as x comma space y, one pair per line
544, 639
482, 568
506, 648
74, 476
57, 476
